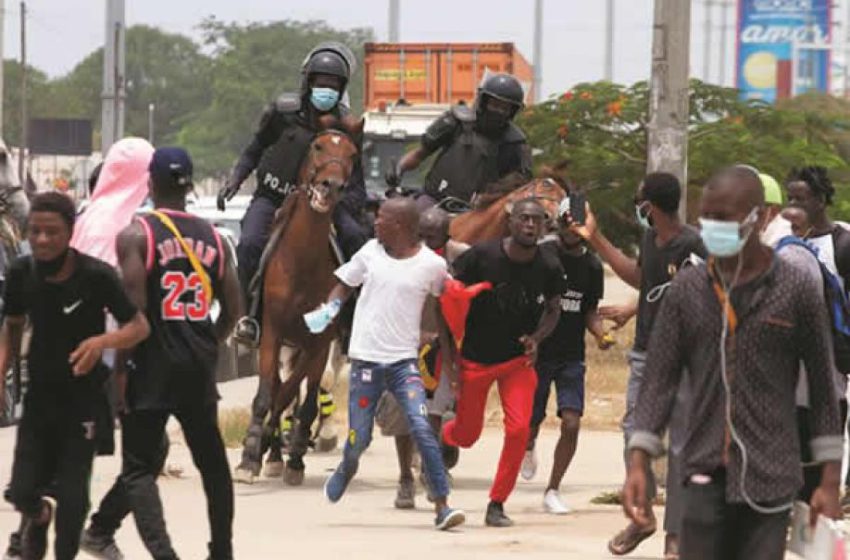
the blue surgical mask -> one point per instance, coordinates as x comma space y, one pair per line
723, 238
643, 219
324, 99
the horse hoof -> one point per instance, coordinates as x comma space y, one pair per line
326, 444
273, 469
243, 476
293, 477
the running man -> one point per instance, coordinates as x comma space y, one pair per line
396, 273
63, 294
561, 356
175, 280
504, 328
434, 232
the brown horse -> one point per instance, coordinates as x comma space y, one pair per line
489, 219
298, 277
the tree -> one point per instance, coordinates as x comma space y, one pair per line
165, 69
38, 98
601, 130
251, 65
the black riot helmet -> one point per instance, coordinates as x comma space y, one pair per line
505, 88
327, 60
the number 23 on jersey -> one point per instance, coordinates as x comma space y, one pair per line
176, 306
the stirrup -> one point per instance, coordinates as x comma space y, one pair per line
247, 332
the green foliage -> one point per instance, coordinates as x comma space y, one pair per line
601, 130
207, 97
251, 65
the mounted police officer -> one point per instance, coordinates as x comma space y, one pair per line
286, 129
477, 145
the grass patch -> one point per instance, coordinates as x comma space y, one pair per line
615, 498
233, 424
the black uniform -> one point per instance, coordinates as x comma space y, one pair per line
64, 416
173, 372
470, 160
277, 150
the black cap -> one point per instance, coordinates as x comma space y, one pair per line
171, 166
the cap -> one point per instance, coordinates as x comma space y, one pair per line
772, 190
171, 164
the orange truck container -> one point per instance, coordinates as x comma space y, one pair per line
437, 73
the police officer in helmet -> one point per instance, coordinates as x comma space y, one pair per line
285, 132
485, 135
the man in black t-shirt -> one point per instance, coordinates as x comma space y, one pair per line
504, 327
666, 247
63, 294
561, 356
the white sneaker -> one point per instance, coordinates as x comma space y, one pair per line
552, 503
529, 465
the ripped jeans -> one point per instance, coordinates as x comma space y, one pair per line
403, 380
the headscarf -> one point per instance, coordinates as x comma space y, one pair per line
121, 189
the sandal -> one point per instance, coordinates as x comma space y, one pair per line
629, 538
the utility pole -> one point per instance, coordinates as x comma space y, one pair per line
151, 112
609, 40
2, 28
22, 148
706, 50
724, 28
538, 50
668, 99
395, 20
114, 93
847, 50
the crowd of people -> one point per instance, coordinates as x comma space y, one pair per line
741, 350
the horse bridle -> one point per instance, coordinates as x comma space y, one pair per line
310, 187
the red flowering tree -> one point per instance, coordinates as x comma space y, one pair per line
601, 130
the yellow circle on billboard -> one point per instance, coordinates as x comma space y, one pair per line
760, 70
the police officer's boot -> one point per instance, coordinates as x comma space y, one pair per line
247, 330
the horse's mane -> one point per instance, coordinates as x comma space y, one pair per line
514, 180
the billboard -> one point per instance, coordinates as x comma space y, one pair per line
62, 137
782, 47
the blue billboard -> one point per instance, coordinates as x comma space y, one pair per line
782, 47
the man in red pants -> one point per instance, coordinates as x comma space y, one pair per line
503, 329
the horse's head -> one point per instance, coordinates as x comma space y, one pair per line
328, 166
8, 175
546, 191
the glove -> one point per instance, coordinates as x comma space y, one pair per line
393, 177
319, 319
226, 193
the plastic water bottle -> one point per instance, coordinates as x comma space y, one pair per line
319, 319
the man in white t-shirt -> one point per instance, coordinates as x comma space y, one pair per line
396, 273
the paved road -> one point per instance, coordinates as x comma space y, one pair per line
273, 520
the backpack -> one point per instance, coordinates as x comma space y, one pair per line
836, 299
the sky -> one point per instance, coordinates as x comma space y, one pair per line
60, 33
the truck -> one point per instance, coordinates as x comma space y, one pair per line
409, 85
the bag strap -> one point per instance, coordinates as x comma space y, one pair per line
190, 254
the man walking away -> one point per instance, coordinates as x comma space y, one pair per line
396, 272
174, 266
504, 328
63, 294
561, 359
740, 325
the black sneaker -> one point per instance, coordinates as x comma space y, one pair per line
13, 552
247, 332
496, 516
34, 536
100, 545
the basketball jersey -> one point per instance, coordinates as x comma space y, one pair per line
177, 363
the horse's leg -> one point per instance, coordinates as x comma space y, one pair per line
327, 438
273, 467
310, 364
256, 440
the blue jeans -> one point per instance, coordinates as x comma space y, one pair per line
367, 382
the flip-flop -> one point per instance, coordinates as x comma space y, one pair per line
629, 538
